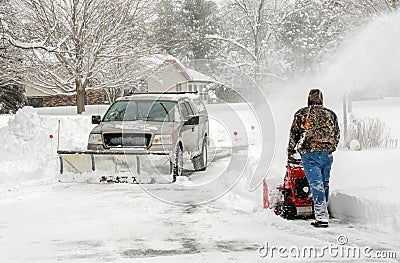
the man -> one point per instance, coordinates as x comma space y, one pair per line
315, 135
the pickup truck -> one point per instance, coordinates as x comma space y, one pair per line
175, 125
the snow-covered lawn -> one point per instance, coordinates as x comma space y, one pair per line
43, 220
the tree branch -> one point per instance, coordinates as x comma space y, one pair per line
30, 45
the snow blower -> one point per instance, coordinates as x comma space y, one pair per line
295, 195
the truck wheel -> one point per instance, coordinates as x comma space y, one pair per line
178, 163
200, 162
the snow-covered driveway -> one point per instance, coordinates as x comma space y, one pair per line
118, 222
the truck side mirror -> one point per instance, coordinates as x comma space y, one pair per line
96, 119
193, 120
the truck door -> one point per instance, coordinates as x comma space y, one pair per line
190, 130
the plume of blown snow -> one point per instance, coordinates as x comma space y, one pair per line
368, 62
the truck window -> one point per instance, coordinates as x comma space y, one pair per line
147, 110
189, 108
184, 110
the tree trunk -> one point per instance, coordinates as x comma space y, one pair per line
80, 98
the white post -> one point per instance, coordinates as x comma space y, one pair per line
349, 102
345, 121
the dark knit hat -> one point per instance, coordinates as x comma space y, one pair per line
315, 97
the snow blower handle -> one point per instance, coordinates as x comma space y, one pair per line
290, 153
293, 157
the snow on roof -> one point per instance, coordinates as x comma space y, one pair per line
197, 76
159, 60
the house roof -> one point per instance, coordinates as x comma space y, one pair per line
156, 60
197, 76
160, 60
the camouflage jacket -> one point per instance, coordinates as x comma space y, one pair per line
314, 129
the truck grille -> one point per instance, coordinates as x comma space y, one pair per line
126, 139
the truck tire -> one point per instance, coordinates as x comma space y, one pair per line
177, 163
200, 162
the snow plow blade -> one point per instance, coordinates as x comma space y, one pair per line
115, 167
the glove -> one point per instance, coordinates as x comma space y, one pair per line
290, 153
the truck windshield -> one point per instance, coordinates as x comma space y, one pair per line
146, 110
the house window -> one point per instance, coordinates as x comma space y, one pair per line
178, 87
190, 87
194, 88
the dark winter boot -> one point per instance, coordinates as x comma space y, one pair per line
320, 224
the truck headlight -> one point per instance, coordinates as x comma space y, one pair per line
95, 138
162, 139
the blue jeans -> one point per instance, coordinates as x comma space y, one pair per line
317, 166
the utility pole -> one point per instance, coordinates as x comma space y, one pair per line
349, 102
345, 120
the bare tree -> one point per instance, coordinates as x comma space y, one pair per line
85, 39
315, 28
181, 28
249, 34
11, 69
11, 80
373, 7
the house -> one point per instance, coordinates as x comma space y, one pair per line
165, 73
172, 75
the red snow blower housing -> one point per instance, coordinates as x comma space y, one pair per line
295, 195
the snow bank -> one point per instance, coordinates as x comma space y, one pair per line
364, 188
24, 146
26, 150
4, 119
369, 212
